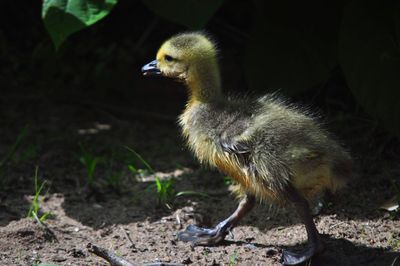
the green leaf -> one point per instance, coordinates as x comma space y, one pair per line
292, 47
64, 17
193, 14
369, 53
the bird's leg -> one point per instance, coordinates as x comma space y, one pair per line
315, 244
211, 236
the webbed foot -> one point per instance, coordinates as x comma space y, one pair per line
211, 236
299, 257
202, 236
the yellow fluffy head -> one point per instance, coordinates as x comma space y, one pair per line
183, 52
191, 58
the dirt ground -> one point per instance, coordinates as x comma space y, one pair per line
120, 210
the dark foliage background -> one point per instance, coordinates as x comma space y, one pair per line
341, 55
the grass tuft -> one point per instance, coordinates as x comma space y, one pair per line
166, 194
36, 202
90, 162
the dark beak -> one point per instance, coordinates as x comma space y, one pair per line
151, 69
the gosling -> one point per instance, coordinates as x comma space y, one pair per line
274, 151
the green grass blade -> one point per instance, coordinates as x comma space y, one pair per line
158, 185
132, 169
34, 208
141, 159
44, 217
91, 167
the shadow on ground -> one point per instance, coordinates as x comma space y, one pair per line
339, 252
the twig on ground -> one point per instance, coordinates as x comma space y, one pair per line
113, 259
161, 264
178, 220
128, 237
333, 226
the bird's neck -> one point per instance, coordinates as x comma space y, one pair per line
204, 82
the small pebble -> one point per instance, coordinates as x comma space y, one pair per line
59, 259
77, 253
187, 261
271, 252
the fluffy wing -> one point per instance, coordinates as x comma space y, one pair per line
234, 147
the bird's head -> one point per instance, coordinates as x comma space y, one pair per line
184, 57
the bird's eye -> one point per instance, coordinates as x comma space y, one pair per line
168, 58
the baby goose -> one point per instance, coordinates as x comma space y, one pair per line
272, 150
